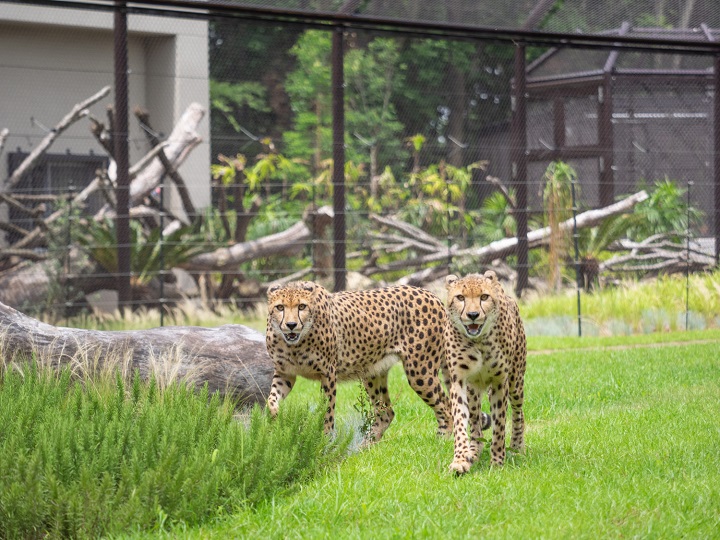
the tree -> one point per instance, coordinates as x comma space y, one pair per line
373, 75
557, 200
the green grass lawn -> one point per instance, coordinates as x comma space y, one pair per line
621, 443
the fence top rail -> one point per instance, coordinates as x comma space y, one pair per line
654, 42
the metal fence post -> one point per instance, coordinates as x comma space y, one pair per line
687, 261
122, 160
578, 273
338, 112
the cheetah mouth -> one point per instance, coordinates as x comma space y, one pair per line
473, 329
291, 337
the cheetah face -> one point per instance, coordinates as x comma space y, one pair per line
472, 303
290, 309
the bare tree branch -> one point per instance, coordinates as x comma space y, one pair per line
77, 112
144, 117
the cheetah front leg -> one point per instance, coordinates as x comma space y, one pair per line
280, 388
478, 420
498, 411
328, 382
377, 391
463, 457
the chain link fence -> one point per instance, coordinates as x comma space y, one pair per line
462, 124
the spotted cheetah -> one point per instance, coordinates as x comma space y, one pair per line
357, 335
485, 350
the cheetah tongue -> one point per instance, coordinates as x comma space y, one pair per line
473, 329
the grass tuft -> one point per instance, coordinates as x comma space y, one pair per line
82, 461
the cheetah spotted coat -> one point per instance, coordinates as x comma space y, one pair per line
355, 335
485, 351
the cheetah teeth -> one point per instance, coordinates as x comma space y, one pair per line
473, 329
291, 336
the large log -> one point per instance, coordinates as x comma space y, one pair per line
507, 246
230, 359
287, 242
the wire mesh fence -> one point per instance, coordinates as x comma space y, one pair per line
232, 184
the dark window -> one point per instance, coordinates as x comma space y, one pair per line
54, 174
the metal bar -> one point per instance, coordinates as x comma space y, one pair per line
716, 143
566, 153
202, 9
120, 138
613, 56
716, 163
687, 259
518, 137
606, 189
578, 273
338, 112
559, 123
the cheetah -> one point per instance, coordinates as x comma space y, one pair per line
351, 335
485, 350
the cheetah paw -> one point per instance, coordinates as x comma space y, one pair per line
460, 466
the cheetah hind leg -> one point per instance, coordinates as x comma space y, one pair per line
430, 390
377, 391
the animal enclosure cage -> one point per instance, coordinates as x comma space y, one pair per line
624, 119
509, 85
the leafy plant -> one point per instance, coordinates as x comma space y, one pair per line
665, 211
557, 201
85, 461
150, 251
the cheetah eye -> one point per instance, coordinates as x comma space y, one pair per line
460, 298
484, 297
280, 307
302, 307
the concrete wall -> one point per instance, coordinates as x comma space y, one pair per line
52, 58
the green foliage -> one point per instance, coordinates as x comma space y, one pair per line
637, 305
229, 98
87, 461
497, 219
557, 200
665, 211
150, 251
373, 75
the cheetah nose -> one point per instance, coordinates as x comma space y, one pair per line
472, 315
291, 325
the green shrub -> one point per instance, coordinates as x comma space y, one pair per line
87, 460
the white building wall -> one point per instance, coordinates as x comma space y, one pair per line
52, 58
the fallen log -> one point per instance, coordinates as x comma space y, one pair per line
508, 246
286, 242
230, 359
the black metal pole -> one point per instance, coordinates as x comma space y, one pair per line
122, 160
518, 143
162, 251
716, 163
448, 201
578, 274
338, 111
687, 261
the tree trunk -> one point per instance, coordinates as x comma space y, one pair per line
231, 359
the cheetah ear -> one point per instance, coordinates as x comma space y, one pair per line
449, 280
273, 289
309, 286
492, 276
